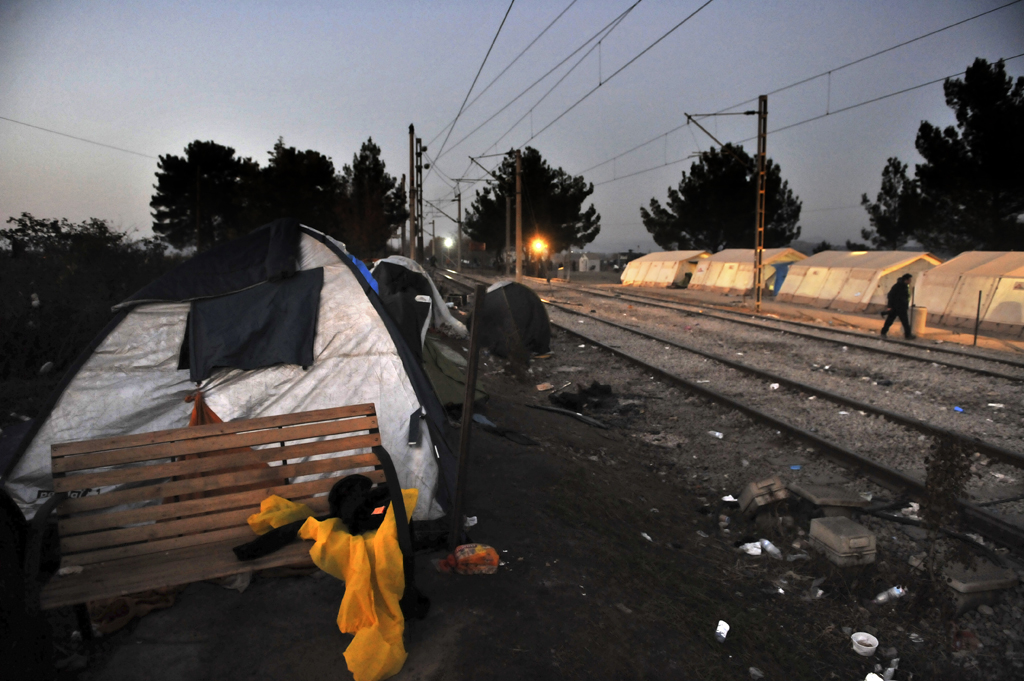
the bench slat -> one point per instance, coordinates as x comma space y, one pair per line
213, 462
102, 521
83, 543
215, 443
270, 475
61, 449
141, 573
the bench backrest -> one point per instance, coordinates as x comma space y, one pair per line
198, 485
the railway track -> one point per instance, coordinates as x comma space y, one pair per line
887, 450
804, 330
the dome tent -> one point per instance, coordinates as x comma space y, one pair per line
512, 311
279, 321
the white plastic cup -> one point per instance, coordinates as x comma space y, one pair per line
864, 643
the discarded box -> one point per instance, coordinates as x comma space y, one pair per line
763, 493
833, 501
843, 541
980, 586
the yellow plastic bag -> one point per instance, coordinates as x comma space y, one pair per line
372, 567
276, 511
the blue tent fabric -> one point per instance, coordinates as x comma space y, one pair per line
781, 270
361, 266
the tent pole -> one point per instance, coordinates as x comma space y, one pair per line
456, 531
977, 319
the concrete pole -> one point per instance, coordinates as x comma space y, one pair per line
519, 217
401, 249
412, 193
458, 248
433, 240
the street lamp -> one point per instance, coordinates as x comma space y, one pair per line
447, 246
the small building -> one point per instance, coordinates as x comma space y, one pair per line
850, 280
591, 262
732, 270
665, 269
951, 291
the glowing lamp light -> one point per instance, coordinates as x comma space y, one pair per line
538, 245
448, 242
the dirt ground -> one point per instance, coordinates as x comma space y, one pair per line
615, 566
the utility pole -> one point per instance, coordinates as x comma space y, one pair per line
198, 233
412, 195
401, 249
508, 232
433, 240
458, 248
762, 144
419, 200
519, 217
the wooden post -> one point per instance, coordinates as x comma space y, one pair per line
977, 319
401, 249
519, 217
455, 533
508, 233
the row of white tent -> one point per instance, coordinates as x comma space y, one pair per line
985, 283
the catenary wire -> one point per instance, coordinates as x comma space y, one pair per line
510, 64
810, 78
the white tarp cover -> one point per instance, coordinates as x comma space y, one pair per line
131, 384
440, 316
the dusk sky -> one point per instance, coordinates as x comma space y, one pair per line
151, 77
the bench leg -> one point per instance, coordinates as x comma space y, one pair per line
84, 621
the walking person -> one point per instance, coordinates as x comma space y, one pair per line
899, 304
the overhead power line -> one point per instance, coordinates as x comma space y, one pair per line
554, 68
808, 79
510, 64
620, 69
80, 139
475, 78
812, 119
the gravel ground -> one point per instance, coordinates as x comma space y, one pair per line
666, 430
925, 348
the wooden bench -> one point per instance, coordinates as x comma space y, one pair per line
199, 484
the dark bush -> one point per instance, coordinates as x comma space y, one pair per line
58, 282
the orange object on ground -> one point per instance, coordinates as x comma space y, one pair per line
471, 559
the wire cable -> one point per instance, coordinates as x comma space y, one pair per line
80, 139
810, 78
814, 118
539, 80
475, 78
510, 64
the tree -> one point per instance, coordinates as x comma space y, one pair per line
552, 205
713, 207
823, 246
200, 197
296, 184
895, 215
972, 180
371, 205
58, 281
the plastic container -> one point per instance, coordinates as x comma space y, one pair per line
721, 631
891, 594
771, 549
864, 643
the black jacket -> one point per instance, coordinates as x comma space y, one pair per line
899, 296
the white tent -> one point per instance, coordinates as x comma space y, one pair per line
131, 380
732, 270
850, 280
664, 269
950, 291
